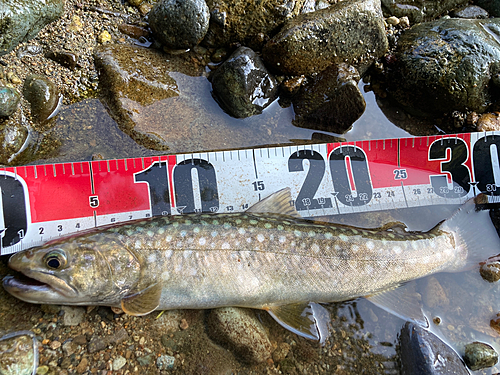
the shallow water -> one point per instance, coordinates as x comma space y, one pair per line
85, 130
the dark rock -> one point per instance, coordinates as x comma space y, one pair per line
21, 20
242, 84
419, 10
146, 360
472, 11
240, 331
351, 31
43, 96
179, 24
491, 6
9, 99
133, 31
67, 59
97, 344
13, 139
331, 101
447, 65
423, 353
479, 355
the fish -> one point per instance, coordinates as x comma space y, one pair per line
267, 258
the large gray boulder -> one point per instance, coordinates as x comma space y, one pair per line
21, 20
351, 31
447, 65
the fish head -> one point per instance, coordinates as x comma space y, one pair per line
87, 270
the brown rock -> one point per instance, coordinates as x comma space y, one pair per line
82, 366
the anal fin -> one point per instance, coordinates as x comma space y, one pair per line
403, 302
309, 320
142, 302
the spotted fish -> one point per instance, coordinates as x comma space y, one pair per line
265, 258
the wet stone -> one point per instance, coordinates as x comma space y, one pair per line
491, 6
165, 362
179, 24
490, 271
21, 20
9, 99
331, 101
472, 11
423, 353
67, 59
350, 31
119, 362
43, 96
447, 65
242, 84
419, 10
13, 139
488, 122
17, 355
239, 330
146, 360
479, 355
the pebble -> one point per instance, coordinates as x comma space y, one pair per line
119, 362
9, 100
42, 370
16, 354
184, 324
54, 345
73, 316
165, 362
45, 101
82, 366
488, 122
104, 37
146, 360
490, 271
392, 21
495, 323
479, 355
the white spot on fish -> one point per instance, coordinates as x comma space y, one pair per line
370, 245
355, 248
312, 233
165, 275
260, 238
187, 253
169, 238
138, 244
202, 241
268, 226
188, 222
161, 230
215, 222
183, 233
175, 224
168, 253
433, 244
193, 271
190, 239
414, 245
328, 236
397, 249
150, 233
297, 233
179, 244
242, 231
226, 225
315, 248
196, 229
249, 239
354, 231
225, 246
238, 221
368, 269
282, 239
253, 222
337, 247
152, 258
280, 227
343, 237
214, 233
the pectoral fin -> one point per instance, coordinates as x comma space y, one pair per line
310, 320
142, 302
402, 302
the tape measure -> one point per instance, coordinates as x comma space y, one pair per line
43, 202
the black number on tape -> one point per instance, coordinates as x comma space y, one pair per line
460, 174
486, 153
305, 200
157, 178
184, 185
360, 175
15, 223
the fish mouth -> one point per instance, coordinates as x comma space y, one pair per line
38, 287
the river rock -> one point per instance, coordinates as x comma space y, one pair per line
447, 65
17, 356
490, 271
240, 331
492, 6
13, 139
331, 101
240, 20
419, 10
9, 99
471, 11
423, 353
479, 355
43, 96
179, 24
21, 20
242, 84
351, 31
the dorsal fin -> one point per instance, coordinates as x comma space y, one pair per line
277, 203
395, 226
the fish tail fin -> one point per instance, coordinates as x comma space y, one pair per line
475, 235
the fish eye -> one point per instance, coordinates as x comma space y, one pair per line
55, 259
